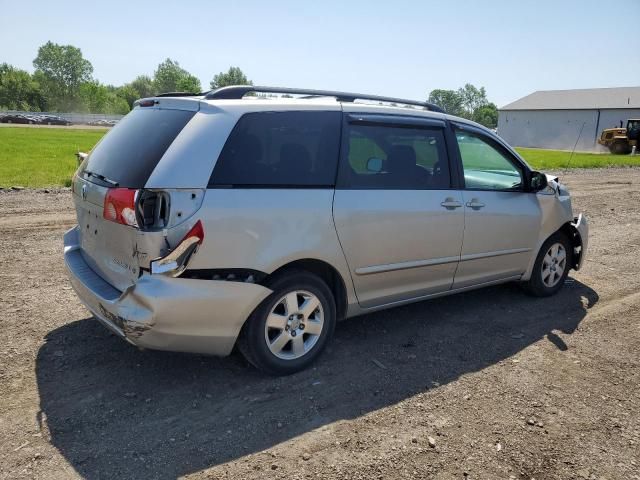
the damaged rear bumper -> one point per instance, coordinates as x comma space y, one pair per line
163, 313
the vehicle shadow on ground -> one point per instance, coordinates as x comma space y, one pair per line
116, 412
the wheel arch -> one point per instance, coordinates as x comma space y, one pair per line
574, 237
327, 273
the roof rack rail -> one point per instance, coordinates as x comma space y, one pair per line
236, 92
178, 94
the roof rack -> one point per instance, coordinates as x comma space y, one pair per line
236, 92
178, 94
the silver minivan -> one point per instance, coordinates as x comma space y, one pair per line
238, 217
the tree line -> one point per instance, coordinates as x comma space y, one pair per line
467, 102
63, 81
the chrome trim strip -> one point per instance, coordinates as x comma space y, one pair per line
391, 267
497, 253
405, 265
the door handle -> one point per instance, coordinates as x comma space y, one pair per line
475, 204
451, 203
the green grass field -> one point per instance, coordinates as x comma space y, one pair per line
45, 157
42, 157
553, 159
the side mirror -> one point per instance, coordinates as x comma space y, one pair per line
538, 181
374, 165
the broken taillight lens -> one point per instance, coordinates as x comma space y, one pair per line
176, 261
120, 206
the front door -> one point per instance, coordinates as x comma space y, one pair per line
502, 220
399, 222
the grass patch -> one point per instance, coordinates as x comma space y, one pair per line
42, 157
553, 159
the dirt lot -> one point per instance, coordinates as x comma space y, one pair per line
506, 386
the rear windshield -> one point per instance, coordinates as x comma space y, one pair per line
132, 149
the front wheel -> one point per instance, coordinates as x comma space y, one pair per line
551, 267
291, 327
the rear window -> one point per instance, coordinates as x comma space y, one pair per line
280, 149
132, 149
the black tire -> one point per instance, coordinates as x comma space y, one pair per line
535, 285
620, 148
252, 342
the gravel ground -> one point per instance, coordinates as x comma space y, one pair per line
488, 384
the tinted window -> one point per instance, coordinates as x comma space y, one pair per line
485, 166
132, 149
382, 157
281, 149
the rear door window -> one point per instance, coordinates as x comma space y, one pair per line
395, 158
129, 153
280, 149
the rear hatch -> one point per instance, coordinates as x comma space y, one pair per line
114, 245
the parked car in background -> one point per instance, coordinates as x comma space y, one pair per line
53, 120
102, 123
33, 119
14, 118
215, 220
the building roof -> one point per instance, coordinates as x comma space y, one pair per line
583, 99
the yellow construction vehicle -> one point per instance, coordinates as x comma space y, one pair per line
621, 140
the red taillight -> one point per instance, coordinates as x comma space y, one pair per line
120, 206
196, 231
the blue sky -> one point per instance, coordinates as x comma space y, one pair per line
397, 48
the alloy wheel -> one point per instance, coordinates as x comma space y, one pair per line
554, 264
294, 325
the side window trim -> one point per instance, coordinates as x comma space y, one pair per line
396, 121
392, 121
455, 161
515, 161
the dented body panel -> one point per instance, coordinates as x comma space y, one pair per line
165, 313
556, 213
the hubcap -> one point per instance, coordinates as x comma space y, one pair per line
554, 264
294, 325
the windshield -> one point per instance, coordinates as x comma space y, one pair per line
128, 153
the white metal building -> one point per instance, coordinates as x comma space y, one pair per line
556, 118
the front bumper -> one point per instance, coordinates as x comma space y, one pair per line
582, 227
163, 313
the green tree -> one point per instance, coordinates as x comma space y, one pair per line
486, 115
98, 98
189, 83
61, 69
19, 91
171, 77
143, 84
472, 98
116, 104
467, 102
449, 100
128, 94
93, 97
234, 76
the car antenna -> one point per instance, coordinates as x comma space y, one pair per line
574, 147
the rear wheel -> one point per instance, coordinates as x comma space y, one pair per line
292, 326
551, 267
